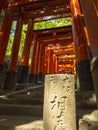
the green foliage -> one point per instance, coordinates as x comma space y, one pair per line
23, 35
11, 38
37, 26
52, 23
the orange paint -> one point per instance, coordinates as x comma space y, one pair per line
80, 38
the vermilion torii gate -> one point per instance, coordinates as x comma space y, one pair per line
84, 37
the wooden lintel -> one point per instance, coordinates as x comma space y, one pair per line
63, 36
64, 52
55, 8
32, 14
45, 18
61, 42
56, 30
46, 4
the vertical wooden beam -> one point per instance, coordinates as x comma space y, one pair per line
54, 63
48, 61
39, 72
11, 75
42, 62
27, 44
36, 58
24, 64
4, 36
45, 60
91, 19
96, 4
51, 71
15, 47
80, 40
32, 76
40, 58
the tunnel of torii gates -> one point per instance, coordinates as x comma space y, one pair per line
55, 50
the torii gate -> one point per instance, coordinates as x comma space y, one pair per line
30, 12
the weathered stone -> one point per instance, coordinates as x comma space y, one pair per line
89, 121
94, 68
59, 102
83, 125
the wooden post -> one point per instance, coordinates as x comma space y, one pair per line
42, 62
45, 60
51, 71
96, 4
36, 61
80, 41
4, 36
24, 64
48, 61
39, 72
91, 19
54, 63
10, 78
32, 76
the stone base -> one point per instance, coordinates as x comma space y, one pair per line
40, 77
22, 74
21, 123
10, 81
2, 75
89, 122
86, 100
85, 76
32, 78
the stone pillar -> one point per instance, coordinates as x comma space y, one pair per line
11, 75
80, 41
23, 68
4, 36
91, 19
59, 102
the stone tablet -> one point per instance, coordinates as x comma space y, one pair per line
59, 102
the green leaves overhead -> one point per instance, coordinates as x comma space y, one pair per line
37, 26
52, 23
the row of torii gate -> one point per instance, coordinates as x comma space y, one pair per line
82, 34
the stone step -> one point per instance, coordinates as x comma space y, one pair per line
20, 123
80, 113
21, 110
29, 94
29, 101
86, 100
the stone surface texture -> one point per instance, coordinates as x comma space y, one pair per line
59, 102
